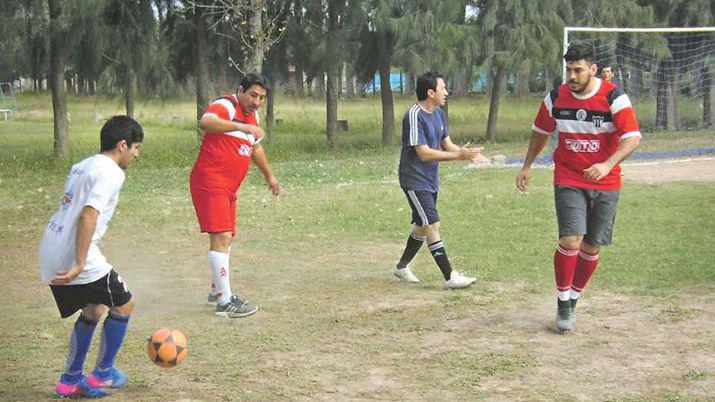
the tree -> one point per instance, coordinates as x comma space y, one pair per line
513, 31
58, 57
201, 62
257, 24
85, 59
680, 13
24, 44
131, 26
334, 9
377, 46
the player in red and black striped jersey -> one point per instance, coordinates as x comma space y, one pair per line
597, 131
231, 140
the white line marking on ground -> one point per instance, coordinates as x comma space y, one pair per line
662, 161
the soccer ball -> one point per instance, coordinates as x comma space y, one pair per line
167, 347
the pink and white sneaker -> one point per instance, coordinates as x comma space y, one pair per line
81, 388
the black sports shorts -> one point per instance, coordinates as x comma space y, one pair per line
424, 207
109, 290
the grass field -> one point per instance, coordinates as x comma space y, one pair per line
334, 324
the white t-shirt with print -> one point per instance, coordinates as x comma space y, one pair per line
93, 182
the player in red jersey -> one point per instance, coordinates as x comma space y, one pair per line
231, 140
597, 131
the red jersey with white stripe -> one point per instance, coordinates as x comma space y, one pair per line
590, 128
224, 158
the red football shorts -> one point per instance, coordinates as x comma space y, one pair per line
216, 212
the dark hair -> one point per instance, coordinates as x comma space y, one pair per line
425, 82
120, 128
252, 79
581, 51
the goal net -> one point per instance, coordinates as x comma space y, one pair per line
667, 72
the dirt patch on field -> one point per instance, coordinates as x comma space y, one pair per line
341, 333
702, 169
335, 324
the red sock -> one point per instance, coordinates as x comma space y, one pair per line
564, 267
587, 263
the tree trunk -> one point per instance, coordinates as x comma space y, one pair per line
411, 83
661, 97
708, 105
57, 68
469, 78
499, 81
384, 56
130, 86
332, 73
270, 116
402, 84
299, 87
255, 60
522, 84
340, 72
388, 107
201, 66
360, 89
635, 83
349, 82
331, 101
666, 108
674, 84
319, 82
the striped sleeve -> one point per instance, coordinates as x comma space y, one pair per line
417, 131
624, 118
544, 122
221, 108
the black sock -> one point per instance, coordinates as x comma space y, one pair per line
440, 257
414, 242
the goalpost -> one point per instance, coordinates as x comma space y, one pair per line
668, 72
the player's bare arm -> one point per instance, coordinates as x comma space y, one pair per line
448, 145
598, 171
85, 230
429, 154
536, 145
215, 124
259, 158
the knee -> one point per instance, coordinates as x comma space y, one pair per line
420, 230
94, 312
125, 309
589, 248
220, 241
571, 241
225, 238
434, 228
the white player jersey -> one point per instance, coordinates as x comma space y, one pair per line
93, 182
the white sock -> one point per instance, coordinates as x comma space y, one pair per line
214, 291
219, 271
563, 295
575, 294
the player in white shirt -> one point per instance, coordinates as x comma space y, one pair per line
78, 274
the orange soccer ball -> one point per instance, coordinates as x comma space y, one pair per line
167, 347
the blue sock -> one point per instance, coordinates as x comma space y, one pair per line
115, 327
80, 340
